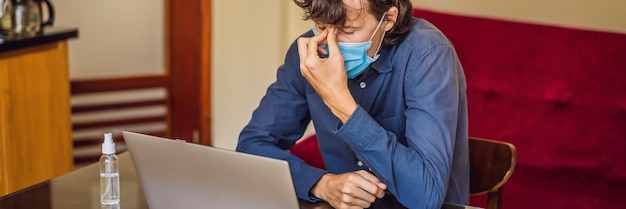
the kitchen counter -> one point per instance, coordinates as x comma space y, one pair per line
47, 35
35, 111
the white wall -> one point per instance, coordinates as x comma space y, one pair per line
246, 51
116, 37
248, 46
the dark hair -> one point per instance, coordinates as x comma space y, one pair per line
334, 12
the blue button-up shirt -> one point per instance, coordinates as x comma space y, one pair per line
409, 129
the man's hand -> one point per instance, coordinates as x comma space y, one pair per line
327, 75
357, 189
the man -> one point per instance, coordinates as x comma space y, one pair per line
386, 94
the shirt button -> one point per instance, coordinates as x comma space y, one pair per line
362, 84
360, 163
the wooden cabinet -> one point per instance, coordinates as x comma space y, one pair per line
35, 123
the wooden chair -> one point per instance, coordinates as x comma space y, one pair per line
491, 165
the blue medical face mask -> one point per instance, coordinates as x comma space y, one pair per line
355, 54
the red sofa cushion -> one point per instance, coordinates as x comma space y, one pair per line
308, 150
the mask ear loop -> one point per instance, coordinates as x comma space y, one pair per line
381, 38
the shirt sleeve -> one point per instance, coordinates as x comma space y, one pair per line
279, 121
416, 173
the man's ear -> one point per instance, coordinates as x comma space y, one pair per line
390, 18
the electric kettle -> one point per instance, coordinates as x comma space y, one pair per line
24, 17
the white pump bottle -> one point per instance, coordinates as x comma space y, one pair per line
109, 173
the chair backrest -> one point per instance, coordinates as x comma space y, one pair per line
491, 165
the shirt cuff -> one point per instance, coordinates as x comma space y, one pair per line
308, 180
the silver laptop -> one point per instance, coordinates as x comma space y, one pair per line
177, 174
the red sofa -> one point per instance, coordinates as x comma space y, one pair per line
558, 94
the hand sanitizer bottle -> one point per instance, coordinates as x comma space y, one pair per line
109, 173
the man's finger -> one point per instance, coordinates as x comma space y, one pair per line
333, 48
378, 189
303, 45
314, 43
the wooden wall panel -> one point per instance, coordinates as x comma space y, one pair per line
188, 60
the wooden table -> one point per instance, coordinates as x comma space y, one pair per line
80, 189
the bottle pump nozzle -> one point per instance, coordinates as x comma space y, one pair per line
108, 147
